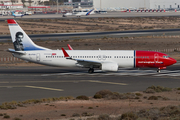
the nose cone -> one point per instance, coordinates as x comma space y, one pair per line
172, 61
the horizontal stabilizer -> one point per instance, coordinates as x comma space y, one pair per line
17, 52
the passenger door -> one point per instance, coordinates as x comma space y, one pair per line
38, 57
156, 58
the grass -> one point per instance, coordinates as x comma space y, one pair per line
139, 94
90, 107
16, 118
153, 98
82, 97
63, 114
15, 104
76, 115
6, 116
153, 89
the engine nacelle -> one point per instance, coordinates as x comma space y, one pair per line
109, 67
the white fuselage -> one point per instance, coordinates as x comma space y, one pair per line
126, 58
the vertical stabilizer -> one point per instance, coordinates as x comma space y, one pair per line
88, 13
20, 39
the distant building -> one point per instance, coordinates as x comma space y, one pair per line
10, 5
104, 4
147, 4
15, 4
79, 3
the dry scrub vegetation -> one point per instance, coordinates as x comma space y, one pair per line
155, 103
39, 26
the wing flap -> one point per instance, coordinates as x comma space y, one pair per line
88, 63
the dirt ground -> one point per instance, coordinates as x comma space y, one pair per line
83, 109
40, 26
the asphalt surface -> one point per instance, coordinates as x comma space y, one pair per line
24, 83
63, 36
109, 14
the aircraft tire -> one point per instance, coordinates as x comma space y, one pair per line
91, 70
158, 70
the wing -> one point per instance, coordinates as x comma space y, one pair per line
81, 62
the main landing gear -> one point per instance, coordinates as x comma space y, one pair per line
91, 70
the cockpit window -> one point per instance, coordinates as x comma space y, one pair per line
165, 56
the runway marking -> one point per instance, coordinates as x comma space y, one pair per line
44, 88
74, 81
27, 86
10, 86
96, 81
122, 72
4, 82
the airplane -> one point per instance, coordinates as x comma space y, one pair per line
17, 14
106, 60
79, 13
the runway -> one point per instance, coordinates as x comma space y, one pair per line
63, 36
114, 14
23, 83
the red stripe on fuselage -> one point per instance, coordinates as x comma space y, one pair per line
152, 59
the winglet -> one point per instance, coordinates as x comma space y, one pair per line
65, 53
69, 46
11, 21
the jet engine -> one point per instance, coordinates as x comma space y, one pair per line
109, 67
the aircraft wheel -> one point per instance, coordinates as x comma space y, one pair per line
158, 71
91, 70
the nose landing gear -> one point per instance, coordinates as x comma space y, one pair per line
158, 70
91, 70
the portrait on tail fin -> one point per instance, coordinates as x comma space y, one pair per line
18, 42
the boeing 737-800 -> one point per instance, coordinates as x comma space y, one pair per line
106, 60
80, 13
17, 14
